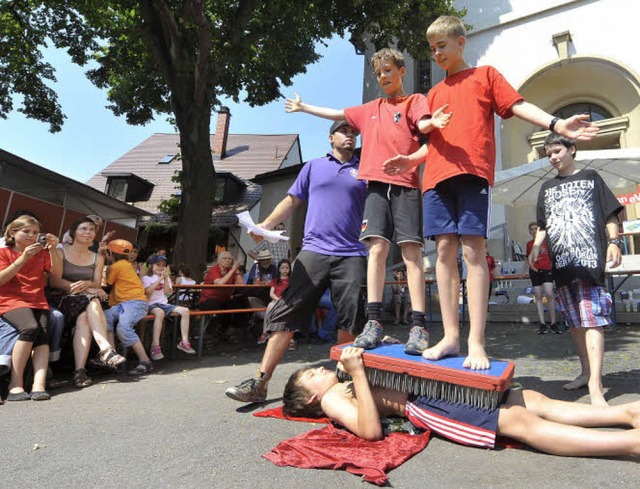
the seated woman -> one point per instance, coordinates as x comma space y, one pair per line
24, 264
557, 427
80, 304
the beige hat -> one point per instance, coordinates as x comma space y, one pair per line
264, 255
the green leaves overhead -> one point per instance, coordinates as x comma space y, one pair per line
147, 51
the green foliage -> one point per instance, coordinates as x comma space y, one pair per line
171, 206
155, 56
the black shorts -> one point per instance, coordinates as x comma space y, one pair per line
311, 275
540, 277
393, 213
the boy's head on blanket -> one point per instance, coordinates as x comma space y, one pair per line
304, 390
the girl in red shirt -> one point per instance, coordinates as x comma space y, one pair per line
278, 285
24, 264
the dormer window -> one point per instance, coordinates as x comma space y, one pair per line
127, 187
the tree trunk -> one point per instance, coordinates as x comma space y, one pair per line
198, 181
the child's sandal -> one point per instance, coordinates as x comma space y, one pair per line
111, 358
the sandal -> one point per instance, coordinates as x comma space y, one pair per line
142, 369
81, 379
110, 358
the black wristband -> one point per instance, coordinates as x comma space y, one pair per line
616, 241
552, 124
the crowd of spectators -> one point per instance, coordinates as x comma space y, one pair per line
81, 299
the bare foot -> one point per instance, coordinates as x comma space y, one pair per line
444, 348
578, 383
597, 395
477, 359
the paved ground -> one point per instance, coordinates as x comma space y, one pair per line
176, 428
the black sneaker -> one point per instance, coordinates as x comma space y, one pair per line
370, 336
554, 328
143, 368
418, 341
251, 390
542, 329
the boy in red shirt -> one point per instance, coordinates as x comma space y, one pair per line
542, 282
459, 174
389, 126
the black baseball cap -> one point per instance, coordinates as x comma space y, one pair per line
338, 124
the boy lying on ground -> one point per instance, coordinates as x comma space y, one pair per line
551, 426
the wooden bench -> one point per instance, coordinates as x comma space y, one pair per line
204, 316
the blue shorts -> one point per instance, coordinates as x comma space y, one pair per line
455, 421
459, 205
167, 308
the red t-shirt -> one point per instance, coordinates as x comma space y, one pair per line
467, 144
26, 288
544, 261
389, 127
221, 295
278, 288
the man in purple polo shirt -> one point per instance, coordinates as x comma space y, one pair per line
332, 255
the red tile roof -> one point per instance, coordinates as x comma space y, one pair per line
247, 156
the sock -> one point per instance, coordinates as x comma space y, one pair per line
374, 310
418, 319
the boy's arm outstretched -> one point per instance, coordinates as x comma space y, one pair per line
575, 127
297, 105
359, 414
403, 163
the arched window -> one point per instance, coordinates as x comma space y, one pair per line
595, 112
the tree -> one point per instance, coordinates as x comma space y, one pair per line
180, 56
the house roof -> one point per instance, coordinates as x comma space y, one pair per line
247, 155
36, 181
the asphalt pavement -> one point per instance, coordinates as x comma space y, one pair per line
176, 428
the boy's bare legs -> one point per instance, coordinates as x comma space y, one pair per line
376, 264
576, 413
139, 350
448, 281
537, 294
547, 287
559, 427
474, 253
594, 341
581, 380
412, 256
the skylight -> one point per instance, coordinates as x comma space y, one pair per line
167, 159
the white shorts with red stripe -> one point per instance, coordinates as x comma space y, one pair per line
458, 422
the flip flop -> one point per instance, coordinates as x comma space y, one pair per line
18, 396
40, 396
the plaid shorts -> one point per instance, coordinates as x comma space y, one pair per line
584, 305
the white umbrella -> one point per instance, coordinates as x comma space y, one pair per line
619, 168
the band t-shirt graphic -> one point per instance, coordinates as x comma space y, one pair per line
573, 210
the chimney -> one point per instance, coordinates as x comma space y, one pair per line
222, 133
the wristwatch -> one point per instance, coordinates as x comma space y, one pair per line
616, 241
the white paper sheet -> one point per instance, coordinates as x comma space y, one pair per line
271, 236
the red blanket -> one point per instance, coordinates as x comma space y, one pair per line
333, 448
